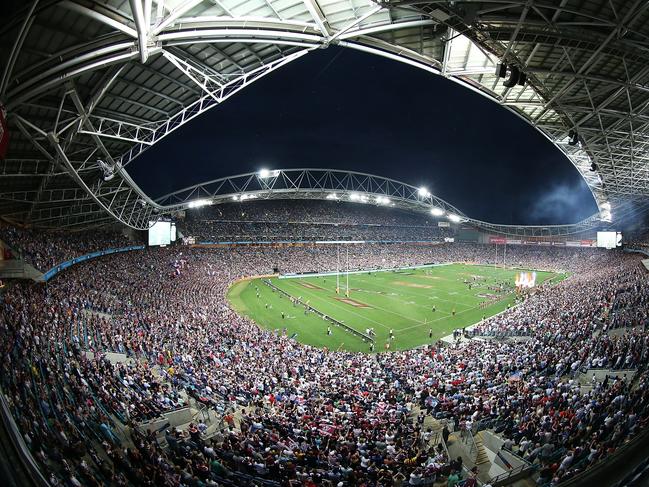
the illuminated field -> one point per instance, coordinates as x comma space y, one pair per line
409, 302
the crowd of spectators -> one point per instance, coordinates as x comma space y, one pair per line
307, 416
308, 220
44, 250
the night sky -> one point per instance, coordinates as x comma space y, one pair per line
339, 108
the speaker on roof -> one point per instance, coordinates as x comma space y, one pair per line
501, 70
573, 137
514, 74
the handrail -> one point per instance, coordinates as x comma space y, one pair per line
448, 455
503, 477
26, 458
64, 265
466, 436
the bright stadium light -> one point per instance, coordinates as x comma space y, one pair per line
436, 211
454, 218
244, 197
332, 196
199, 203
354, 197
423, 192
267, 173
235, 197
382, 200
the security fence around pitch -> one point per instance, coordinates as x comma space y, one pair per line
319, 313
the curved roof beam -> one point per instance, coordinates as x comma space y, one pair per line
350, 186
586, 68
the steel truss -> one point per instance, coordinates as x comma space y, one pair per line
347, 186
143, 69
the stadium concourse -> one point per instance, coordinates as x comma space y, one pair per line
96, 360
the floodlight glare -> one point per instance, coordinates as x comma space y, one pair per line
453, 218
423, 192
332, 196
267, 173
436, 211
199, 203
354, 197
382, 200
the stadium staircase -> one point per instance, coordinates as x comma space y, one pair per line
17, 268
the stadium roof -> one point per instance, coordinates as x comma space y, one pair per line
90, 85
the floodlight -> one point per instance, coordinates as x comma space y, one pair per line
235, 198
606, 206
436, 211
354, 196
332, 196
423, 192
267, 173
453, 217
199, 203
382, 200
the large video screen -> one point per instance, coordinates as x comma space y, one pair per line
160, 233
609, 240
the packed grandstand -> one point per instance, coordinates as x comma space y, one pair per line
152, 340
96, 361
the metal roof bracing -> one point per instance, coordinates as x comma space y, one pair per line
355, 187
89, 85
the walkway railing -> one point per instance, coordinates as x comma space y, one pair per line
64, 265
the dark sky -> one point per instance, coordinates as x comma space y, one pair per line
339, 108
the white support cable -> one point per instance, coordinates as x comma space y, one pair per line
195, 75
207, 102
356, 22
98, 16
15, 49
175, 14
320, 20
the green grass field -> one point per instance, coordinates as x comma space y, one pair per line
399, 300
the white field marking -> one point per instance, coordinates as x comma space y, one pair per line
438, 319
353, 312
418, 295
403, 295
459, 313
398, 314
